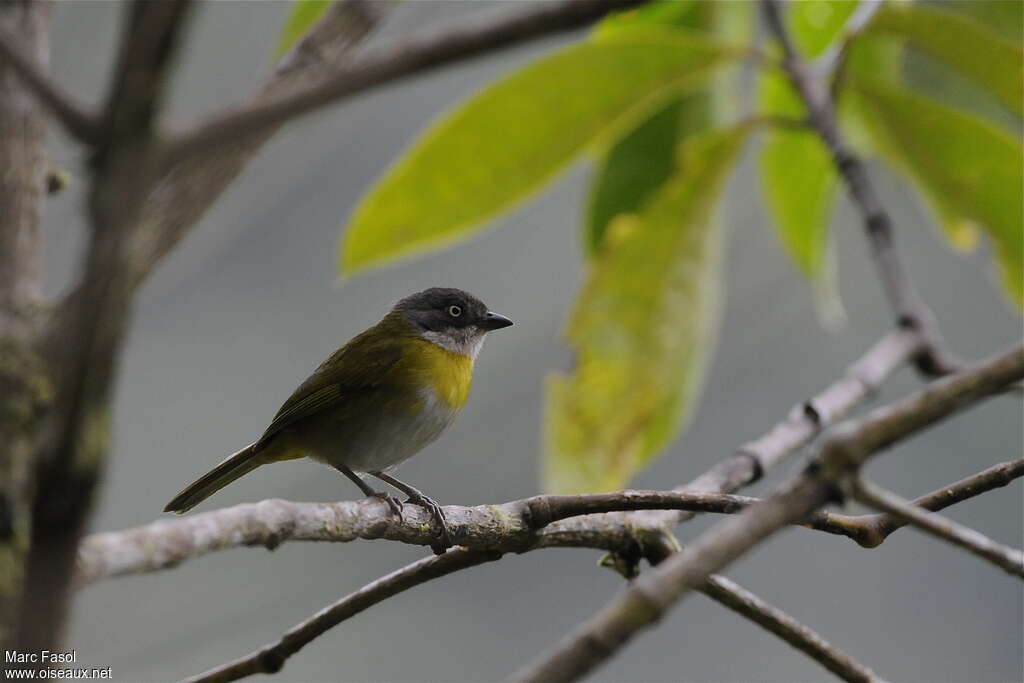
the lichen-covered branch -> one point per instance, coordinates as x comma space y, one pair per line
851, 445
95, 317
25, 389
1008, 559
510, 527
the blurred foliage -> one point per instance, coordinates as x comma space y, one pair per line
651, 95
301, 17
970, 170
798, 177
481, 159
642, 327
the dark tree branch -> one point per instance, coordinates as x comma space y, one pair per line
870, 531
270, 658
852, 444
1009, 559
740, 600
407, 57
73, 117
909, 308
25, 389
95, 316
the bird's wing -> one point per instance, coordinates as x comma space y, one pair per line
339, 378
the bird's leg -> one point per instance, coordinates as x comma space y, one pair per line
393, 503
417, 497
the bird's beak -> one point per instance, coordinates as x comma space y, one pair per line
494, 321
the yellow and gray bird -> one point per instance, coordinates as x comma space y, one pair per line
376, 401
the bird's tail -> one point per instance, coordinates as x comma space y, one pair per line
242, 462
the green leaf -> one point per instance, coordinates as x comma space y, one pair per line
799, 182
639, 162
513, 137
814, 24
798, 176
969, 170
962, 43
642, 328
633, 168
661, 13
303, 14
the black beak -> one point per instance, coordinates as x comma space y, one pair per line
494, 321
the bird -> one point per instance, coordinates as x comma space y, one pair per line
375, 402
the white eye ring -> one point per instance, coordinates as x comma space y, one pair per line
454, 311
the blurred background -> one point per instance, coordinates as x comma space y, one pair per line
248, 306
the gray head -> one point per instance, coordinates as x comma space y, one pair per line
451, 318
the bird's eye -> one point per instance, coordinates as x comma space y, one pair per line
454, 311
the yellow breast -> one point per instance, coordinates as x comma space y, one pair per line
448, 373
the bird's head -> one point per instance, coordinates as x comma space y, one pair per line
451, 318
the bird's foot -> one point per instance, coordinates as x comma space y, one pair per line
444, 539
393, 502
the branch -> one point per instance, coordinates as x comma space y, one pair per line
1007, 558
25, 391
510, 527
95, 316
270, 658
745, 603
910, 309
656, 591
165, 544
186, 190
870, 531
403, 58
73, 117
804, 422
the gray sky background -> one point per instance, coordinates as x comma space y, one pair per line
248, 306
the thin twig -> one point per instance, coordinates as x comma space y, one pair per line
1009, 559
408, 56
909, 308
72, 116
870, 531
749, 605
270, 658
658, 590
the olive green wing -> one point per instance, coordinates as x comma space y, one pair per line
351, 372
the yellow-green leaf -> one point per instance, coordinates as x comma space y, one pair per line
515, 135
969, 170
814, 24
634, 167
302, 15
642, 328
960, 42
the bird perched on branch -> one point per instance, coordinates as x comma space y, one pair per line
376, 401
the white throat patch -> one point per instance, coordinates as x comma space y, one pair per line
466, 341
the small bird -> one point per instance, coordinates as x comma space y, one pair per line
376, 401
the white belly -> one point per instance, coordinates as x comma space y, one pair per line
399, 438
